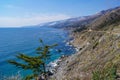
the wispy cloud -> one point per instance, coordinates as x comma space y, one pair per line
10, 6
31, 20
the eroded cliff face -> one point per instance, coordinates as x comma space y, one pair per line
97, 48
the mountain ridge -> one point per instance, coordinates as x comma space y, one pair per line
77, 22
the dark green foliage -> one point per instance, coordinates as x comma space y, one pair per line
96, 43
37, 64
30, 63
105, 74
30, 77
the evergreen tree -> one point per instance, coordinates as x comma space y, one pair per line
37, 64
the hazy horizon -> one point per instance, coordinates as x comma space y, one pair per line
17, 13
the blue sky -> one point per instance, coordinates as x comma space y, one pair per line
15, 13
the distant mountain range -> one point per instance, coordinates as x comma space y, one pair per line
79, 22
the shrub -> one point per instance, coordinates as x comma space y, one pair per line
108, 73
96, 43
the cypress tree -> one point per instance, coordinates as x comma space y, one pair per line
37, 64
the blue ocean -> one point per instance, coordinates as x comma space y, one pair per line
26, 40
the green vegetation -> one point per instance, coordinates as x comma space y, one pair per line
37, 64
96, 43
108, 72
105, 74
119, 44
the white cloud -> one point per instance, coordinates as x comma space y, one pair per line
31, 20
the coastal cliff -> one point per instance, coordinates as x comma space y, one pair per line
98, 48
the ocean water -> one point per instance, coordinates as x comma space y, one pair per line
26, 40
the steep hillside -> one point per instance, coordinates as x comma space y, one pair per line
107, 19
98, 51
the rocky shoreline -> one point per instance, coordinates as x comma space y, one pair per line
62, 61
54, 65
